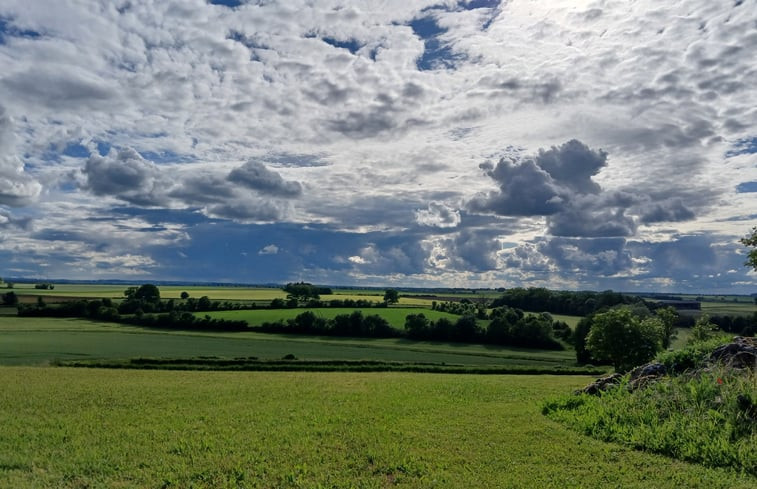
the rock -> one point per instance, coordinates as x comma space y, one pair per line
601, 384
741, 353
645, 375
648, 370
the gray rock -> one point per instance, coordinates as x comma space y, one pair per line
601, 384
741, 353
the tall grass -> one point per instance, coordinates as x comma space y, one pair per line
709, 417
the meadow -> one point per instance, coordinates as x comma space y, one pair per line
394, 315
40, 341
74, 428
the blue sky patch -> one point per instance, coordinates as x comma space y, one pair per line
226, 3
7, 29
746, 187
352, 45
743, 146
437, 54
476, 4
76, 150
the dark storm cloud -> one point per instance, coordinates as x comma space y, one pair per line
256, 176
125, 175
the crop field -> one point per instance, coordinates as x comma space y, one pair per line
729, 308
394, 315
73, 428
35, 341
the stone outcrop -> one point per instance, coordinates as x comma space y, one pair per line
646, 374
741, 353
601, 384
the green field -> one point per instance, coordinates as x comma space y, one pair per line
729, 308
75, 428
394, 315
34, 341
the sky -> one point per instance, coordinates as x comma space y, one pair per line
606, 144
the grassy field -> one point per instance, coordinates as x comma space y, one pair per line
729, 308
107, 428
34, 341
394, 315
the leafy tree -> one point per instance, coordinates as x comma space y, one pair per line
301, 291
668, 316
751, 242
147, 292
185, 295
391, 296
417, 326
703, 329
620, 337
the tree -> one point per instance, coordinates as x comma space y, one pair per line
185, 295
668, 316
301, 291
751, 242
620, 337
10, 299
391, 296
703, 329
147, 292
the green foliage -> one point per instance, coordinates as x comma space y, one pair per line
690, 357
303, 291
668, 316
707, 418
184, 295
147, 292
579, 339
391, 296
703, 330
621, 338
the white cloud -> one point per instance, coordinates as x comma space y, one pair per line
270, 249
661, 88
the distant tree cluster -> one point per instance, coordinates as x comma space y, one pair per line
10, 299
354, 324
461, 308
44, 286
302, 292
508, 326
316, 303
562, 302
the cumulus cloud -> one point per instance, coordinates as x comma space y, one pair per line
438, 215
17, 188
256, 176
262, 102
125, 175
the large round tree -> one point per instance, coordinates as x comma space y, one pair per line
620, 337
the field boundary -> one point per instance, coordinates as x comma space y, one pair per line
294, 365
